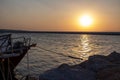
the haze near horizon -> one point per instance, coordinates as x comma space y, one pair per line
60, 15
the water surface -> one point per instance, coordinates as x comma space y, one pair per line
63, 45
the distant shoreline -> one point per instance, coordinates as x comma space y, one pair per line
58, 32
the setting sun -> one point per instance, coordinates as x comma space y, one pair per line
85, 20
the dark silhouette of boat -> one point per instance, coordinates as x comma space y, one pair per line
12, 50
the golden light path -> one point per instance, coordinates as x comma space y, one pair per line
85, 20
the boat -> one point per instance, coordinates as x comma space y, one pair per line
12, 50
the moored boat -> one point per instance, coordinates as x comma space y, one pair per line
12, 50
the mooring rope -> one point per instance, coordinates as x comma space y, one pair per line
60, 53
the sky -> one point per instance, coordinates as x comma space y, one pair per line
59, 15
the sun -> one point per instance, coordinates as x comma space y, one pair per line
85, 20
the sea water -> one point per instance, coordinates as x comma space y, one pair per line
54, 49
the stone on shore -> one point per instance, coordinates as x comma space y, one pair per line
97, 67
109, 74
66, 72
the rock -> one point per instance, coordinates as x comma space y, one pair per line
97, 67
109, 74
114, 57
69, 73
64, 66
96, 63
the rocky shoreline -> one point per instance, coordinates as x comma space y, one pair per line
97, 67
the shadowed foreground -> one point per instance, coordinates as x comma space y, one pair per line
97, 67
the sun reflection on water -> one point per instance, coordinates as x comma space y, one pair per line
84, 48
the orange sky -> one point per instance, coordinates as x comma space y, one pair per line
59, 15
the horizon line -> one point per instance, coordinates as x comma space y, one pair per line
60, 32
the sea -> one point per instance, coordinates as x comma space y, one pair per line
54, 49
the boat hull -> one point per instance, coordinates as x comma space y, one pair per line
7, 65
